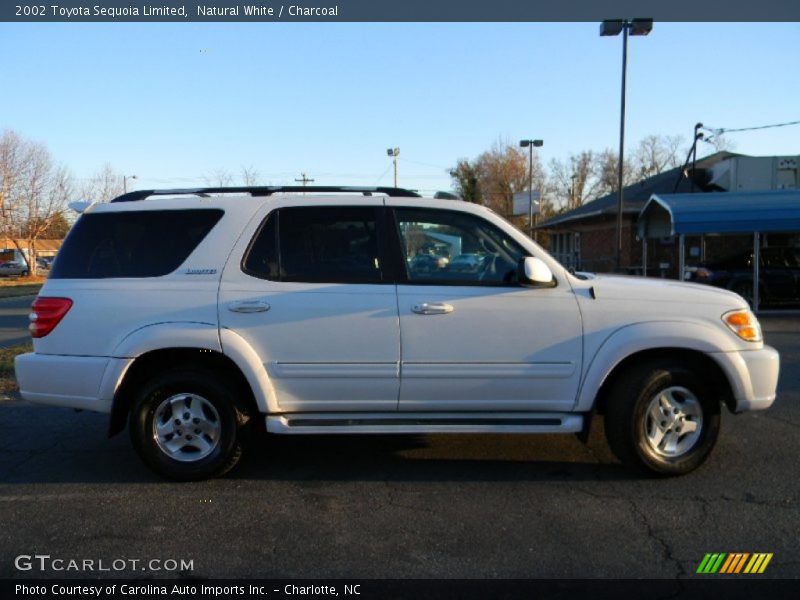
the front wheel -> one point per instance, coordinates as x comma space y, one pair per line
185, 425
662, 418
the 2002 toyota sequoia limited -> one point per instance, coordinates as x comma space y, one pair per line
194, 315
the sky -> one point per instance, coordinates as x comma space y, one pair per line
175, 103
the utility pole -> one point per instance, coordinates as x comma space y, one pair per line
304, 180
394, 153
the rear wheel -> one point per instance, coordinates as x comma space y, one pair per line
185, 425
662, 418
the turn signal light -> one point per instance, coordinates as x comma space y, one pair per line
46, 313
744, 324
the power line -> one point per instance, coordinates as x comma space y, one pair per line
721, 130
383, 174
416, 162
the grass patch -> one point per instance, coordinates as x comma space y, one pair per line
20, 286
8, 382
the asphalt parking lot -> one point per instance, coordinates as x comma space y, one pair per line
411, 506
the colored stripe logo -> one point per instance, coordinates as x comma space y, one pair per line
734, 563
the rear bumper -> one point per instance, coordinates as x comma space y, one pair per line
85, 382
753, 375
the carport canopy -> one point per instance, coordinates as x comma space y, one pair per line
753, 213
724, 212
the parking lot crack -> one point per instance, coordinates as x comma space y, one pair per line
666, 549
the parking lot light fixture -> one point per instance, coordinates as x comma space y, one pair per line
627, 27
394, 153
125, 182
530, 145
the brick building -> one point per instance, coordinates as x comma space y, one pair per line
584, 238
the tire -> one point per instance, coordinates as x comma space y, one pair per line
662, 445
185, 425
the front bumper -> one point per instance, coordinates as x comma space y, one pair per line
85, 382
753, 375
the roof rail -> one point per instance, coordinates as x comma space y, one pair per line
265, 190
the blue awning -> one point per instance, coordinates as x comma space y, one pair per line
722, 212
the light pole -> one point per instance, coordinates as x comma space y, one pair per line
530, 144
573, 203
698, 135
615, 27
125, 182
394, 153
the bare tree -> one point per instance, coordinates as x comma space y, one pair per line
250, 176
720, 143
656, 154
33, 193
575, 181
103, 186
607, 173
13, 168
219, 178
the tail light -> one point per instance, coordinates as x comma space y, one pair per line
46, 313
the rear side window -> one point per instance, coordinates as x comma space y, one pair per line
132, 244
317, 245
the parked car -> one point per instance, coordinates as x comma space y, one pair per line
13, 269
195, 319
427, 263
779, 275
44, 263
469, 263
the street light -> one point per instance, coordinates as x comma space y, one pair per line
530, 144
394, 153
125, 182
626, 27
572, 200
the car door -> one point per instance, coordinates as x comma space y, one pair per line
310, 295
473, 338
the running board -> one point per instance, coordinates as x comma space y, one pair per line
349, 423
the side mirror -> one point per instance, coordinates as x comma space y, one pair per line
534, 272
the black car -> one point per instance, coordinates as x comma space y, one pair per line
779, 275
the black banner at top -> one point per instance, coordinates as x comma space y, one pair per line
394, 10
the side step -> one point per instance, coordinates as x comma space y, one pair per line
350, 423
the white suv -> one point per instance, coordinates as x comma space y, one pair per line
197, 315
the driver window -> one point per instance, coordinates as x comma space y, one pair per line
454, 248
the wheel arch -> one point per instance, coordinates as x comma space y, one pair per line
694, 360
154, 362
690, 341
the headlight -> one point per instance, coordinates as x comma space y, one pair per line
744, 324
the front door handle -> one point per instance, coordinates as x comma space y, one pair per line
248, 306
432, 308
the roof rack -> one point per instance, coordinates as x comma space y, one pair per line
265, 190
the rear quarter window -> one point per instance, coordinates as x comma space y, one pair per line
132, 244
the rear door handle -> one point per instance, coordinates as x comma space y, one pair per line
248, 306
432, 308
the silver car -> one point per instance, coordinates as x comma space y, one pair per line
12, 269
